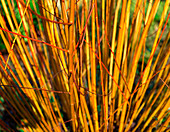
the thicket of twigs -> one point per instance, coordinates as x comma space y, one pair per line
82, 66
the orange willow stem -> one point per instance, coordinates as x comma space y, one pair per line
71, 42
104, 97
93, 72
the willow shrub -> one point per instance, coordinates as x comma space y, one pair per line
84, 65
